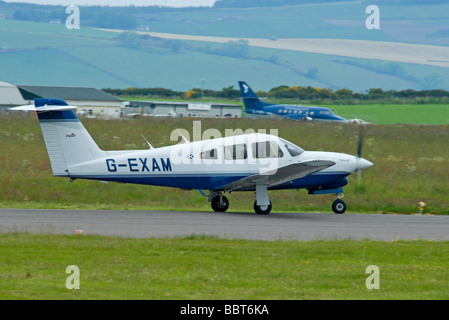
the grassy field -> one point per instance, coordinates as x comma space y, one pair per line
410, 165
197, 267
387, 114
376, 113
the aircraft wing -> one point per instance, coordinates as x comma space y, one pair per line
279, 176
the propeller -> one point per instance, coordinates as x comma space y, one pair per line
359, 156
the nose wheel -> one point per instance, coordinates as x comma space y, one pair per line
262, 209
339, 206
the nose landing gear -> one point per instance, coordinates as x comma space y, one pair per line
262, 209
339, 206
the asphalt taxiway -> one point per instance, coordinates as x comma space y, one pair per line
275, 226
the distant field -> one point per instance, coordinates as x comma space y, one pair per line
99, 59
376, 50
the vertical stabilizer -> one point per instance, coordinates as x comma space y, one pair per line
250, 99
68, 142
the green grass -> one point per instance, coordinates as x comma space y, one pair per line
376, 113
199, 267
410, 165
387, 114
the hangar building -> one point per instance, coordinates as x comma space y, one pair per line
180, 109
90, 101
10, 96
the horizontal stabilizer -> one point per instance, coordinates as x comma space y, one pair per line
31, 107
42, 104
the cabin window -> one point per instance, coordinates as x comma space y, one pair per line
209, 154
235, 152
266, 149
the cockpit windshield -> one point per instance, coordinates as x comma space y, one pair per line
293, 149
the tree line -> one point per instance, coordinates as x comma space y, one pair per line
264, 3
280, 3
96, 16
295, 93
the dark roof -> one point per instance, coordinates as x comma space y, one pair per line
67, 93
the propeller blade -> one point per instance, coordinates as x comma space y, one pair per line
360, 142
359, 155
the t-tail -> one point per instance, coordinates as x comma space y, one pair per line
68, 142
250, 99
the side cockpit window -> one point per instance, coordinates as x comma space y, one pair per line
292, 149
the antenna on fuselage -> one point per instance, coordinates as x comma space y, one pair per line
149, 144
183, 136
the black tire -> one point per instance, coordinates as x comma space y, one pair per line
258, 210
218, 206
339, 206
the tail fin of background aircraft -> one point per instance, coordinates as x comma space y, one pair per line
67, 141
250, 99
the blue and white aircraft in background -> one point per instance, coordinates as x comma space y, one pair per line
255, 106
249, 162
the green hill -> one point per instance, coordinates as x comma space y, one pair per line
49, 54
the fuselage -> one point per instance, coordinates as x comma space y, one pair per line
213, 164
298, 112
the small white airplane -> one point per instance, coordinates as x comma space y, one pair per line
249, 162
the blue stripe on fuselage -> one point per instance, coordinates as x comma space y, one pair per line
215, 182
183, 181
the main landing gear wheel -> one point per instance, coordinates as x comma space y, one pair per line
259, 210
339, 206
220, 203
